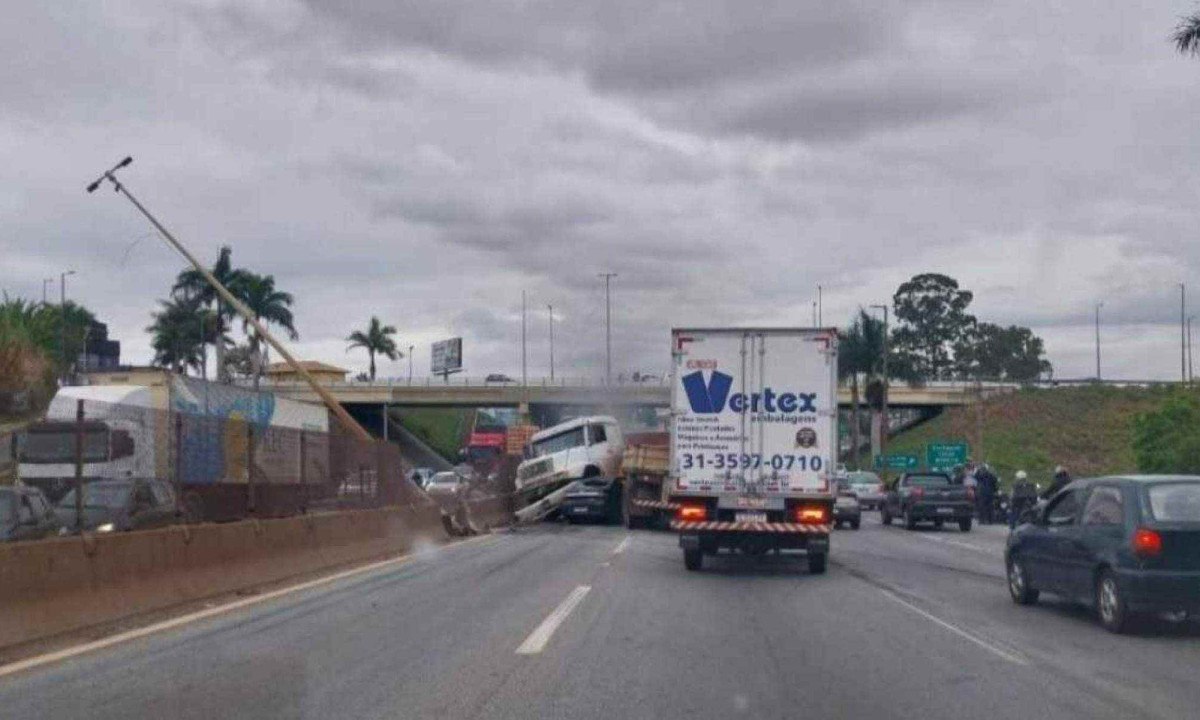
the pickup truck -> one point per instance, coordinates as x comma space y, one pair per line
928, 497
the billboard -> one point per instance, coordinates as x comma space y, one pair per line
447, 356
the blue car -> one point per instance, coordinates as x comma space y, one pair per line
1125, 545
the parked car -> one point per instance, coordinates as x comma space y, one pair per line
119, 505
498, 378
1125, 545
846, 508
25, 514
594, 498
447, 484
928, 497
867, 487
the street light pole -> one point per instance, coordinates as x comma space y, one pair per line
1098, 306
551, 309
1182, 332
62, 286
820, 308
410, 349
524, 375
45, 282
1191, 377
339, 412
883, 434
607, 327
814, 321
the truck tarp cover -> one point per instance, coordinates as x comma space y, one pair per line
753, 410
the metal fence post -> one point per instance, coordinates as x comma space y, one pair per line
250, 495
178, 462
303, 479
79, 465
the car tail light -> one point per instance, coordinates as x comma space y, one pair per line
692, 512
1147, 543
812, 514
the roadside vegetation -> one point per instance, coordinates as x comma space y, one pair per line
442, 429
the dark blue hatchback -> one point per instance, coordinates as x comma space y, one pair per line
1126, 545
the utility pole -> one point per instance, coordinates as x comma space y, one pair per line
410, 349
820, 308
1191, 377
331, 402
607, 328
551, 309
1182, 332
1098, 306
814, 322
883, 435
524, 375
62, 286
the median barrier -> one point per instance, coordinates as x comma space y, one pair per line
481, 514
54, 586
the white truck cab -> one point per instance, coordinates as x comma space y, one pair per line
579, 448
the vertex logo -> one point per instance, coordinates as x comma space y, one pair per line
710, 397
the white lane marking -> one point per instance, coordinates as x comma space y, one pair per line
75, 650
536, 642
622, 545
957, 543
999, 652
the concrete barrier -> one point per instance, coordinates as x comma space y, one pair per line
483, 513
54, 586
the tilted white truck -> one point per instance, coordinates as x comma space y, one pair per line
570, 451
753, 441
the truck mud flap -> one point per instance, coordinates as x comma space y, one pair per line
750, 527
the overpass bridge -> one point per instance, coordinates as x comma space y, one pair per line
468, 392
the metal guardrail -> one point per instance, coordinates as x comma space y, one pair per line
460, 381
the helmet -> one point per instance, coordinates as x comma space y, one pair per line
1058, 469
1022, 475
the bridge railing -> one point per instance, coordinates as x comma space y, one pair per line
465, 381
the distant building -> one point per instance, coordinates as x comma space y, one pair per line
323, 373
99, 353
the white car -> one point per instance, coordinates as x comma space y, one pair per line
866, 486
447, 484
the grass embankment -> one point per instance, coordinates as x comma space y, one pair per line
1089, 430
443, 429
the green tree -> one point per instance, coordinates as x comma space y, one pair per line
1003, 353
192, 284
269, 306
860, 355
1168, 440
27, 371
42, 323
376, 340
178, 332
933, 320
1187, 35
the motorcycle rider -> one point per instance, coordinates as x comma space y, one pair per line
1024, 496
1062, 478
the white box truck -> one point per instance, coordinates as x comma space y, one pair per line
753, 441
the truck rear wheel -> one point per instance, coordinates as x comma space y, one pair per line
693, 559
816, 563
965, 525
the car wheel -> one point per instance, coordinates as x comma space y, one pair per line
855, 523
837, 524
910, 523
1110, 603
1018, 583
693, 559
965, 525
816, 563
884, 516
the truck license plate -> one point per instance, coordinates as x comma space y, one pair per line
945, 511
751, 517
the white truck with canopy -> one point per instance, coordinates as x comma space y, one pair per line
753, 441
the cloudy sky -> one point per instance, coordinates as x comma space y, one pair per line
428, 161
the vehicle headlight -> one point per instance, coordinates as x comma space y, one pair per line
106, 527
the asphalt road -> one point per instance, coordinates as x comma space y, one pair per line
594, 622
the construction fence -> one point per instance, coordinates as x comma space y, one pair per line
238, 465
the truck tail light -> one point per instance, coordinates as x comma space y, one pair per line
1147, 543
692, 512
917, 491
971, 494
812, 514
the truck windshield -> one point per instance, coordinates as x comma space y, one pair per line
557, 443
1175, 502
59, 447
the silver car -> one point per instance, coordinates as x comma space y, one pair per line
866, 486
447, 484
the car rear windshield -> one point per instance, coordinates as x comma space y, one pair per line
864, 479
8, 507
99, 495
927, 480
1175, 502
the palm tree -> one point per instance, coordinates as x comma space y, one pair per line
1187, 35
269, 306
377, 339
178, 334
860, 352
192, 283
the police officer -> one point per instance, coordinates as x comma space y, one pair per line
987, 483
1062, 478
1024, 496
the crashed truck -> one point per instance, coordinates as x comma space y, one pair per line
578, 449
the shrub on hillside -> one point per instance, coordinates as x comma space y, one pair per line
1168, 440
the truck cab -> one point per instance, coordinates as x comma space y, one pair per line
573, 450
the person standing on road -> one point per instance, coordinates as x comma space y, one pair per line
986, 481
1062, 478
1024, 496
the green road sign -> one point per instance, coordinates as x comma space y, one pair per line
944, 456
897, 462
